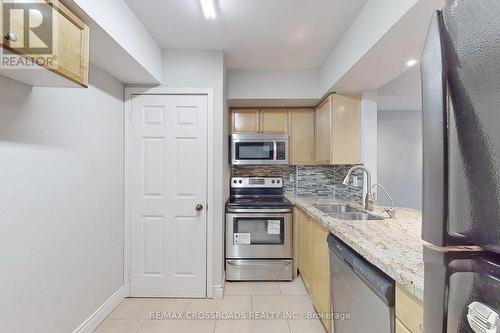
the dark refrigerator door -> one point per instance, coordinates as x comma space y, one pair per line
462, 292
461, 124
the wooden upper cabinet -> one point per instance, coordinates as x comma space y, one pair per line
72, 37
60, 45
301, 129
346, 130
259, 120
273, 120
245, 120
324, 132
338, 130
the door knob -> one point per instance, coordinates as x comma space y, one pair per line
10, 36
199, 207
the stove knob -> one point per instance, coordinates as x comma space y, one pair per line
241, 182
273, 181
279, 181
235, 181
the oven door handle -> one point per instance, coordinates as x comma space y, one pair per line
257, 262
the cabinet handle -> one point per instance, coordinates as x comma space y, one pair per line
10, 36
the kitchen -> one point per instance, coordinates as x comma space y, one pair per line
286, 177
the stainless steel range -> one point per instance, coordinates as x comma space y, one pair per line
258, 231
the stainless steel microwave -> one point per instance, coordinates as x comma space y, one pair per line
259, 149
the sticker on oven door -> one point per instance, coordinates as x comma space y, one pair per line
273, 227
241, 239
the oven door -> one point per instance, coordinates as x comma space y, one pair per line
258, 235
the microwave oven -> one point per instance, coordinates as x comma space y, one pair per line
259, 149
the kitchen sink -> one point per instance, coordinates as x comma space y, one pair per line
353, 215
332, 208
345, 212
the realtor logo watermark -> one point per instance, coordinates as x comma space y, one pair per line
28, 28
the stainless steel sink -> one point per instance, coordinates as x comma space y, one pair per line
345, 212
353, 215
332, 208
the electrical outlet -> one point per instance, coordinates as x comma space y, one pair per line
355, 181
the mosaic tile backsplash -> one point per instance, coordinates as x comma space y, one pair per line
308, 180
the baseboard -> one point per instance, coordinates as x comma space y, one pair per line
95, 319
218, 291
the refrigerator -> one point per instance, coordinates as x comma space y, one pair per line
460, 68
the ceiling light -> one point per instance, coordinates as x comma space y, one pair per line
411, 63
208, 7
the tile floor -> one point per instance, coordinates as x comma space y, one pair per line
259, 298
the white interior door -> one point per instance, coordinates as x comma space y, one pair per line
168, 182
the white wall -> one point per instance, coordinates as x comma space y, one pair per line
205, 69
400, 156
119, 22
369, 147
61, 202
273, 84
372, 22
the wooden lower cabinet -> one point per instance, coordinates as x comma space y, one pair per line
400, 328
321, 272
306, 262
311, 250
314, 264
297, 214
409, 310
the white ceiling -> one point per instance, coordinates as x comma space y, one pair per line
252, 33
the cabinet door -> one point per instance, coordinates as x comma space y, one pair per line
273, 120
72, 37
306, 251
400, 328
346, 130
301, 129
297, 215
321, 271
324, 132
245, 120
409, 310
61, 44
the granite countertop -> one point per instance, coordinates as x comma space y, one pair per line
393, 245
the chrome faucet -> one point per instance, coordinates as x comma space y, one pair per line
369, 195
391, 211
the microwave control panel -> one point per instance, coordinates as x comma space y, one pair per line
281, 151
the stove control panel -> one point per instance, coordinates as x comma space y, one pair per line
257, 182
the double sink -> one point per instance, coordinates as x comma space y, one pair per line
345, 212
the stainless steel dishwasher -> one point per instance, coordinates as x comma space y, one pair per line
362, 296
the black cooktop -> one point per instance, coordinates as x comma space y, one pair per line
257, 193
259, 201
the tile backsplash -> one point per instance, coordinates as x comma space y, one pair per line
308, 180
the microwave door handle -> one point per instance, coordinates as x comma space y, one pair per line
275, 152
